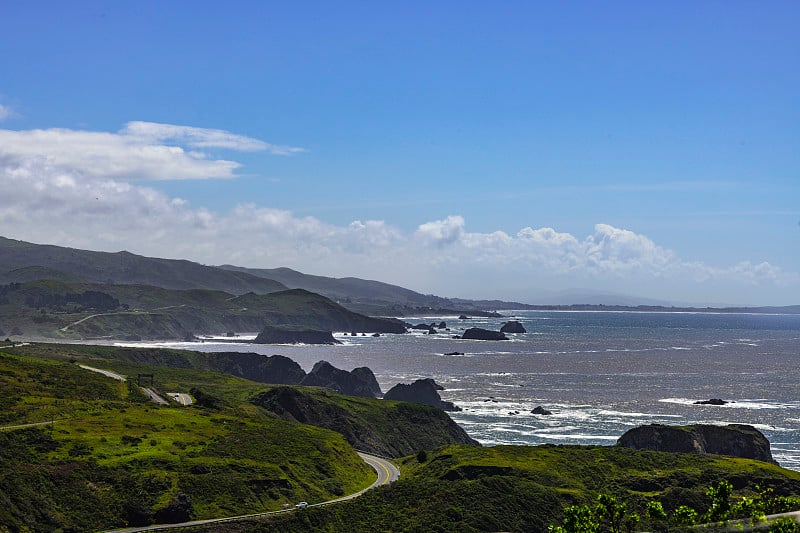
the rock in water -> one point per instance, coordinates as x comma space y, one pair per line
294, 335
712, 401
539, 410
483, 335
421, 391
513, 326
737, 440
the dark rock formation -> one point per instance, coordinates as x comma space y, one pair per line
365, 375
256, 367
463, 317
454, 353
421, 391
294, 335
483, 335
712, 401
513, 326
736, 440
421, 326
394, 430
539, 410
441, 325
360, 382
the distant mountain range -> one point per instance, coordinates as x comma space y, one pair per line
23, 262
193, 298
65, 293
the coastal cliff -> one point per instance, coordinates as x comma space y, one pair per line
393, 429
736, 440
423, 391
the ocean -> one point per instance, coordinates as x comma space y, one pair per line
598, 373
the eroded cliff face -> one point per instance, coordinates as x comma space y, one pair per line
393, 429
360, 382
421, 391
735, 440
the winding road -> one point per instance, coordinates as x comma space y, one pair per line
387, 473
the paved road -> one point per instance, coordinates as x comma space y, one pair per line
387, 473
108, 373
153, 396
34, 424
181, 398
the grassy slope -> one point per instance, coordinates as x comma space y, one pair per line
111, 455
517, 488
386, 427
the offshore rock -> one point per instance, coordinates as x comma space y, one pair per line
737, 440
483, 335
423, 391
513, 326
712, 401
294, 335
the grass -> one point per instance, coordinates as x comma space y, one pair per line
111, 457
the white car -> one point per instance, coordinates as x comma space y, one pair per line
301, 505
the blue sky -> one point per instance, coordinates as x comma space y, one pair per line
472, 149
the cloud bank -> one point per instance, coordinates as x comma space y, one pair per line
79, 189
139, 151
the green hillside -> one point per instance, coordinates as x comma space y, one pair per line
61, 310
111, 457
527, 488
57, 262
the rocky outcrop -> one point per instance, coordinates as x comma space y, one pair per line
365, 375
483, 335
712, 401
360, 382
384, 428
294, 335
736, 440
513, 326
539, 410
256, 367
423, 391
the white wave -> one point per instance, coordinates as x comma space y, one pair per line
605, 412
568, 436
734, 404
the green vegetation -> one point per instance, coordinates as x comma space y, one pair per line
112, 457
511, 488
384, 427
724, 512
108, 457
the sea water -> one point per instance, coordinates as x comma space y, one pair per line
598, 373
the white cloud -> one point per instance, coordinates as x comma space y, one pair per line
81, 195
138, 151
442, 232
153, 133
6, 112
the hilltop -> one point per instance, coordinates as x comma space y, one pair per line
24, 262
68, 310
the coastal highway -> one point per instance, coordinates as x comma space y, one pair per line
386, 470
